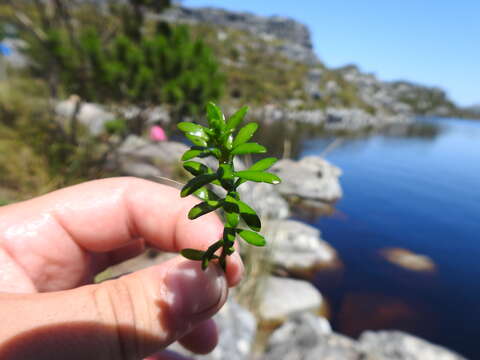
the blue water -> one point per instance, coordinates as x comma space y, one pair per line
420, 194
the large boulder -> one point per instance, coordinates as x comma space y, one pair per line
306, 337
92, 116
396, 345
151, 116
237, 329
266, 201
312, 178
298, 248
142, 158
283, 298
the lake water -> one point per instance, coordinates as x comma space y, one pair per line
416, 193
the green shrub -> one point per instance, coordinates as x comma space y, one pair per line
224, 140
133, 63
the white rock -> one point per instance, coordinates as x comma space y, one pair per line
237, 330
266, 201
311, 178
298, 247
396, 345
283, 297
91, 115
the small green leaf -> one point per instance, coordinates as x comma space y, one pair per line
216, 119
202, 193
202, 152
196, 168
252, 237
249, 216
245, 134
232, 212
192, 254
215, 152
232, 218
196, 183
190, 154
237, 118
263, 164
258, 176
210, 253
189, 127
228, 142
196, 140
229, 235
225, 174
203, 208
206, 195
248, 148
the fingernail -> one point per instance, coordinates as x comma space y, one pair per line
194, 292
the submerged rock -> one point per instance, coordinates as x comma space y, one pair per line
312, 178
360, 310
299, 249
409, 260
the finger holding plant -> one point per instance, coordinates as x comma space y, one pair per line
224, 140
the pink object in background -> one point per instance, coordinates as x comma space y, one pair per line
157, 133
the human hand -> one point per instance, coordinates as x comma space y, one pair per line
51, 247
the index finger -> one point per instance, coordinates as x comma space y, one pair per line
54, 233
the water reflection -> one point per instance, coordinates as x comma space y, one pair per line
408, 193
287, 138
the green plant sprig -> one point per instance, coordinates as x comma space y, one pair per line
222, 141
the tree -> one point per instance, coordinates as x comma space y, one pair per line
121, 60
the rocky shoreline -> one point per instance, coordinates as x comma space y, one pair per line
95, 116
332, 119
289, 314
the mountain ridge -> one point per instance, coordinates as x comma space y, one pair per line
344, 87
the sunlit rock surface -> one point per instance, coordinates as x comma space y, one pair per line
283, 297
92, 116
286, 36
395, 345
265, 199
312, 178
237, 329
306, 337
299, 248
154, 161
408, 260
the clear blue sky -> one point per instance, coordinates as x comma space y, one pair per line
433, 42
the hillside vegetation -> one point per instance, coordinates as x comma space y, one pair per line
134, 54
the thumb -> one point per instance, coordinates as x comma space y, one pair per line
126, 318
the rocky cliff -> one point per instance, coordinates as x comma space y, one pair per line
268, 40
293, 38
